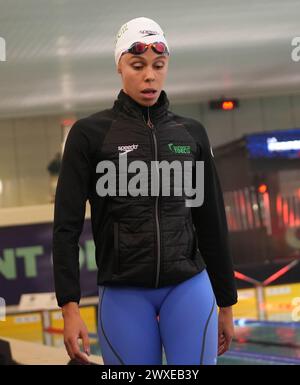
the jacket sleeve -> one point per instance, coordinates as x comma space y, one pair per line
211, 228
69, 212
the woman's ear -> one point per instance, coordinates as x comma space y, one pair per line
120, 65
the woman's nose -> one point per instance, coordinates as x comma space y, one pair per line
149, 74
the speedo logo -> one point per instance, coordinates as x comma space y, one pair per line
128, 148
148, 32
179, 149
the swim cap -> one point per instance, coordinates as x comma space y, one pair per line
139, 29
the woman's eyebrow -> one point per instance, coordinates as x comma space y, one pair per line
141, 57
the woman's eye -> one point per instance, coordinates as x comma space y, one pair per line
139, 67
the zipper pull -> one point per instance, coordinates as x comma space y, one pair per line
150, 124
149, 121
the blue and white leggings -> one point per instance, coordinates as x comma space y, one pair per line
134, 323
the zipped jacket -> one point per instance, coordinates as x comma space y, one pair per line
147, 240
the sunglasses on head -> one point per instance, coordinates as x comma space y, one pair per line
139, 48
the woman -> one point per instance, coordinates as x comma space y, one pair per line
163, 266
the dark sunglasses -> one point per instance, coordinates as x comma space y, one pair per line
138, 48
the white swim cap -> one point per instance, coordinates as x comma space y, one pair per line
139, 29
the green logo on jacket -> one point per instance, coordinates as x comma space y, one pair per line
179, 149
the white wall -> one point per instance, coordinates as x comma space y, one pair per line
27, 145
253, 115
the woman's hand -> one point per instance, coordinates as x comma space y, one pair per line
225, 329
75, 328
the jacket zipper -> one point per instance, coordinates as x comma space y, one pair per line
151, 125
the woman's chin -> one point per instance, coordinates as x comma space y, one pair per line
148, 103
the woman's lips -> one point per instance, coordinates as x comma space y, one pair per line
149, 95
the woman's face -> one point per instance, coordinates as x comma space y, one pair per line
138, 72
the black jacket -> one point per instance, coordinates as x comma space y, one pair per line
149, 241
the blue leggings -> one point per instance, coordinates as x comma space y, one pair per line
134, 323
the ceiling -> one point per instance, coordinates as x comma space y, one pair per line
60, 53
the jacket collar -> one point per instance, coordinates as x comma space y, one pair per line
129, 106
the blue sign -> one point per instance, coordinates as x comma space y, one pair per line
274, 144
